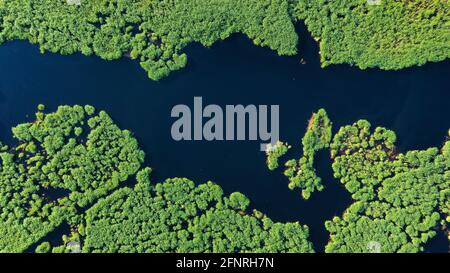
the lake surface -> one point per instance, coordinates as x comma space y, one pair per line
414, 102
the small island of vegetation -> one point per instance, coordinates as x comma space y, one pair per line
301, 173
274, 152
400, 199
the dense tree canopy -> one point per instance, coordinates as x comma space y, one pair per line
52, 172
274, 152
389, 34
177, 216
399, 198
69, 166
66, 161
154, 32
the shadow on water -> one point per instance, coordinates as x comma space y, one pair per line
54, 237
413, 102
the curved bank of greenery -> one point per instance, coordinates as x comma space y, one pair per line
388, 34
53, 171
153, 32
66, 161
391, 35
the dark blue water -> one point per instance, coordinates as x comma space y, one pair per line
414, 102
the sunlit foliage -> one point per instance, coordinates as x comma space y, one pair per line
52, 171
153, 32
177, 216
301, 173
389, 34
68, 167
274, 152
66, 161
399, 198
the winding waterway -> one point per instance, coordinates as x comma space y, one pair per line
413, 102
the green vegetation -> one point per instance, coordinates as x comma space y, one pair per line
177, 216
45, 247
153, 32
301, 173
50, 160
56, 176
361, 159
390, 35
399, 198
274, 152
